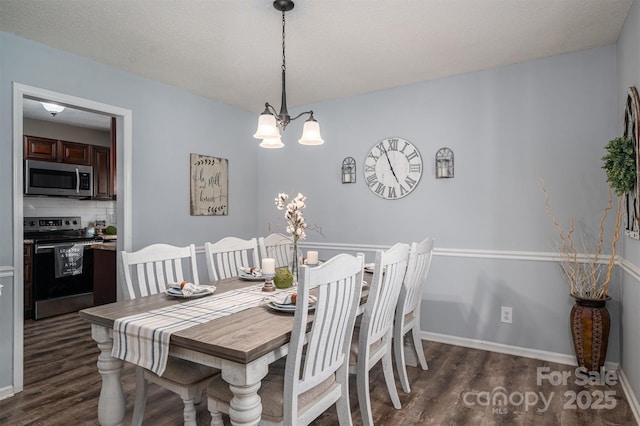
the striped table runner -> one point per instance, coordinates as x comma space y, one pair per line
143, 339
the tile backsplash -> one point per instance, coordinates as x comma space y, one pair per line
88, 210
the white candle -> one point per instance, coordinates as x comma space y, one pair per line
312, 257
268, 266
444, 171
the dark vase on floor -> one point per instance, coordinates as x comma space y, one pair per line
590, 323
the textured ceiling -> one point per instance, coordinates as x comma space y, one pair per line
230, 50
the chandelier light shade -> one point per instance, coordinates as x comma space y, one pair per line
267, 127
272, 143
311, 133
270, 122
52, 108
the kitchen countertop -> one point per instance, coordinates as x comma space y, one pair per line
105, 246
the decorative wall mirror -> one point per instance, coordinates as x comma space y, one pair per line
631, 127
349, 170
444, 163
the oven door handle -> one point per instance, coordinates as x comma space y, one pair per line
40, 248
77, 181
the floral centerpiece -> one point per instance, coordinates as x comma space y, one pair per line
295, 223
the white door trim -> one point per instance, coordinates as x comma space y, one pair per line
124, 214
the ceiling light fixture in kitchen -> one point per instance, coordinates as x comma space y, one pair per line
52, 108
269, 121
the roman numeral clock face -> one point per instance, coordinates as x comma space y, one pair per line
393, 168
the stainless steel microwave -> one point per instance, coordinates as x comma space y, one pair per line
60, 179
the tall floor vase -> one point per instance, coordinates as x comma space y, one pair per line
590, 324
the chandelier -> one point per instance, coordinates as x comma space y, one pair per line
269, 120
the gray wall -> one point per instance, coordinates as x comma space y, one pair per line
628, 55
553, 115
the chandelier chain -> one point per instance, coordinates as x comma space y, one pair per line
270, 120
284, 67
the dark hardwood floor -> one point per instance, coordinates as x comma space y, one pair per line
62, 387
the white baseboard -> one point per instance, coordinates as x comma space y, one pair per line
508, 349
631, 397
6, 392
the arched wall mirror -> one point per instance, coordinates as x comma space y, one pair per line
631, 127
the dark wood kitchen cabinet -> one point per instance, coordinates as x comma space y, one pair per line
75, 153
28, 280
102, 189
41, 149
104, 276
44, 149
112, 169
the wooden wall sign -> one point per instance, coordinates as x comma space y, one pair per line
631, 128
209, 185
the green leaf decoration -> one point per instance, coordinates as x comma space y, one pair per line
620, 165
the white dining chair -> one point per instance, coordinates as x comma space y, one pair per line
315, 375
146, 272
226, 256
408, 309
372, 340
278, 247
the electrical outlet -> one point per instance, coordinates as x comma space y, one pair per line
506, 314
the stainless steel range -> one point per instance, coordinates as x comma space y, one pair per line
62, 265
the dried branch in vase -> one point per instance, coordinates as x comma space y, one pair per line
584, 271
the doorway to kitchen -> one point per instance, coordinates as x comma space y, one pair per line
122, 144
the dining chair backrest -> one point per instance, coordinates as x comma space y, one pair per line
386, 283
323, 351
149, 270
226, 256
417, 271
406, 329
374, 342
278, 247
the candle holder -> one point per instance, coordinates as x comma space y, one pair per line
268, 282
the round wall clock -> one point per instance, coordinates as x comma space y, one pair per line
393, 168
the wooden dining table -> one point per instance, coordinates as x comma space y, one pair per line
242, 345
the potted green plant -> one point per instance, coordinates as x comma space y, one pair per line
588, 275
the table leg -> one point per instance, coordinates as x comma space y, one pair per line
111, 404
245, 408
